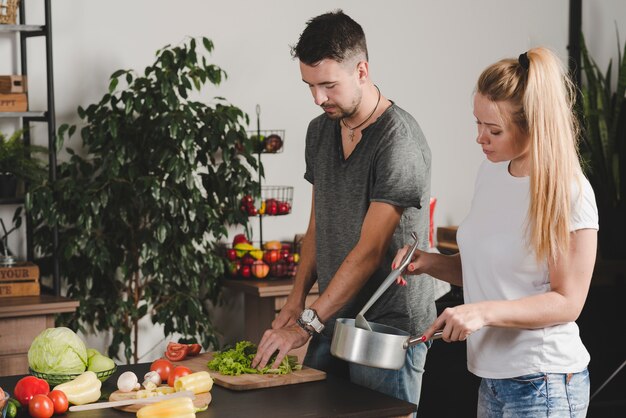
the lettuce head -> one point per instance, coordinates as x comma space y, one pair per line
58, 351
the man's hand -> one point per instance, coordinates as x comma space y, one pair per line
281, 340
287, 316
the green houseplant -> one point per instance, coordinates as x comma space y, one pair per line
603, 148
18, 162
141, 212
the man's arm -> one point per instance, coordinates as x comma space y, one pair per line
378, 227
380, 222
305, 277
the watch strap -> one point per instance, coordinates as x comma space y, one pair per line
304, 326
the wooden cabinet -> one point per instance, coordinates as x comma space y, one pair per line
263, 299
21, 320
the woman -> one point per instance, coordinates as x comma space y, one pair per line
527, 246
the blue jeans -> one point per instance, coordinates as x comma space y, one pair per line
554, 395
404, 384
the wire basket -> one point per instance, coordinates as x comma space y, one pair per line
274, 201
57, 379
8, 11
272, 141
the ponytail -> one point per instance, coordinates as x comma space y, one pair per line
542, 96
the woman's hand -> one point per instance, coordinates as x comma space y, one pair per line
458, 322
414, 267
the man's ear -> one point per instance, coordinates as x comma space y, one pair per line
363, 70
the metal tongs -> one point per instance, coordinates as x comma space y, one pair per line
360, 320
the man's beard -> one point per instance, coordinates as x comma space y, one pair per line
340, 112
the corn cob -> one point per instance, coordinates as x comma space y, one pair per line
171, 408
197, 382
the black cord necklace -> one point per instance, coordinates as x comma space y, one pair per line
350, 129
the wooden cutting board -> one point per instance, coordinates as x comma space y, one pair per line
200, 401
251, 381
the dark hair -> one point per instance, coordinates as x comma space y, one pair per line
333, 35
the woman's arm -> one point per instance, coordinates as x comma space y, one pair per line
570, 278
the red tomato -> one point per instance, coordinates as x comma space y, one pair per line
59, 400
179, 371
176, 351
162, 367
41, 407
194, 349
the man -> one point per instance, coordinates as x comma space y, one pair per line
369, 165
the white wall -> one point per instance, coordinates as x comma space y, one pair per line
425, 55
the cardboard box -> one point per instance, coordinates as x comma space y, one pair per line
15, 102
13, 84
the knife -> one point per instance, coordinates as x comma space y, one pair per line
112, 404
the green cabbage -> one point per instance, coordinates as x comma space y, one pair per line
58, 351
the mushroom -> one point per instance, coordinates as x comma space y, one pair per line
127, 382
152, 376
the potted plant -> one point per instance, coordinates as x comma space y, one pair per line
603, 148
18, 162
141, 210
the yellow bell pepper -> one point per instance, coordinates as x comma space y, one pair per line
198, 382
170, 408
84, 389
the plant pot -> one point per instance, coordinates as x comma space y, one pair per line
612, 233
8, 185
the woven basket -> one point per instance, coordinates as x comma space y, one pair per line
8, 11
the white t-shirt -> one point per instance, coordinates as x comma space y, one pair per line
498, 265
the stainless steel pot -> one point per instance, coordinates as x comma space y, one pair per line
383, 347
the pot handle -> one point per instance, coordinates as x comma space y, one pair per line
417, 340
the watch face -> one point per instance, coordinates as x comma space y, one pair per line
307, 315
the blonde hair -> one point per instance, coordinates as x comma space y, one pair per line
541, 97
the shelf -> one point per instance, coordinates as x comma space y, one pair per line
11, 200
26, 31
31, 114
32, 29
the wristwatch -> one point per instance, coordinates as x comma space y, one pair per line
309, 321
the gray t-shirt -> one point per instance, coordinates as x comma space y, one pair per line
390, 164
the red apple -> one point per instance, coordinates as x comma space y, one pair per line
240, 238
283, 208
246, 271
271, 256
247, 199
260, 270
247, 260
271, 207
231, 254
278, 269
251, 210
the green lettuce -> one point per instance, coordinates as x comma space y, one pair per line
58, 351
238, 361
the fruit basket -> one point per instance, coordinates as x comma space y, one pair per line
266, 141
274, 201
57, 379
251, 261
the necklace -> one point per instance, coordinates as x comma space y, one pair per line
366, 119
